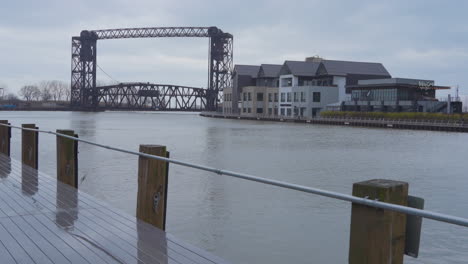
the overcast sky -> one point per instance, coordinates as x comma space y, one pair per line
415, 39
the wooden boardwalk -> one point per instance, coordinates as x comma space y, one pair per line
45, 221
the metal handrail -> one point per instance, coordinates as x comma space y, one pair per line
339, 196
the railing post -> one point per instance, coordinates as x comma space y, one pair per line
5, 137
377, 235
67, 158
152, 186
29, 149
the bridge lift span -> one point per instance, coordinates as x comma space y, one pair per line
85, 94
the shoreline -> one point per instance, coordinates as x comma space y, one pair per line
356, 122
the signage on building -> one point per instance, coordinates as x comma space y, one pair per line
426, 84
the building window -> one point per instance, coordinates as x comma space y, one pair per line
316, 97
286, 82
245, 96
259, 97
270, 111
289, 97
249, 96
295, 97
276, 111
249, 110
282, 111
244, 109
259, 110
270, 97
276, 97
302, 97
283, 97
288, 111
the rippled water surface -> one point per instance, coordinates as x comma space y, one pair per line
246, 222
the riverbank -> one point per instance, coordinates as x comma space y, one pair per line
432, 125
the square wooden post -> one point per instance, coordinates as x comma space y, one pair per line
67, 158
29, 148
152, 186
5, 137
378, 235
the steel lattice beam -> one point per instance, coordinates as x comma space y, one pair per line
85, 94
150, 96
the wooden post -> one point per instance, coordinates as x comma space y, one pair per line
377, 235
67, 158
29, 149
5, 137
152, 186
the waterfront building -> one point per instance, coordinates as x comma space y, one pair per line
259, 101
398, 95
262, 99
242, 76
307, 87
297, 88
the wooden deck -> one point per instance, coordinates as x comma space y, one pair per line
45, 221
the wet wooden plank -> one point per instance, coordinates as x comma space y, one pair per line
45, 221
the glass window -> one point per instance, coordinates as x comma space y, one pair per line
276, 97
295, 97
244, 109
249, 110
245, 96
259, 110
250, 96
289, 97
302, 97
282, 111
316, 97
270, 97
288, 112
282, 97
259, 97
270, 111
276, 111
286, 82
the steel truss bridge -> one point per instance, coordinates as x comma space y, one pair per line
85, 95
144, 96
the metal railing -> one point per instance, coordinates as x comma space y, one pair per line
335, 195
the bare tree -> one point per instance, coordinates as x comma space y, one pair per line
45, 91
29, 92
11, 97
63, 89
66, 92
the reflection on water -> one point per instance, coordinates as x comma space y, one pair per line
67, 206
29, 181
247, 222
5, 167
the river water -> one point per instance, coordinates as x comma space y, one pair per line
247, 222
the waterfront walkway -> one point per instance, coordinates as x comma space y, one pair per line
45, 221
433, 125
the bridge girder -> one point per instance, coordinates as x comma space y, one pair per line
85, 94
150, 96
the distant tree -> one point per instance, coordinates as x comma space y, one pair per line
45, 89
29, 92
67, 92
11, 97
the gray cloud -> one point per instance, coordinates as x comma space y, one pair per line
420, 39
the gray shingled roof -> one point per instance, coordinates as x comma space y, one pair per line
271, 70
251, 70
302, 68
334, 67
